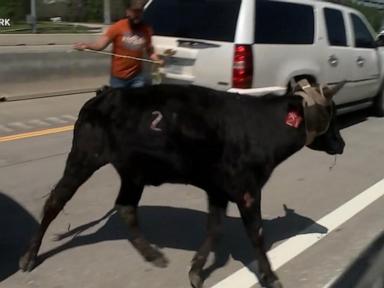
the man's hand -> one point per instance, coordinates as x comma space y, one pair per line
80, 46
97, 45
159, 61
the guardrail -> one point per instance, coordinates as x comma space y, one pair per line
45, 39
45, 70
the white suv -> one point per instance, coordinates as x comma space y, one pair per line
258, 46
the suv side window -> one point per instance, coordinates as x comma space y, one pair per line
334, 21
202, 19
363, 38
284, 23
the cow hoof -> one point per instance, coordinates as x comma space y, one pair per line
270, 282
275, 284
195, 279
160, 261
156, 257
27, 262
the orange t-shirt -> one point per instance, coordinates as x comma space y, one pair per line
129, 43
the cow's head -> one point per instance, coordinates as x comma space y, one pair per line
320, 117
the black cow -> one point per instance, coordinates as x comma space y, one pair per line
227, 144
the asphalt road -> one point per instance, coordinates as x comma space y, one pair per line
95, 252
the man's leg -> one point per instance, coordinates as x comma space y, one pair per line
115, 82
137, 81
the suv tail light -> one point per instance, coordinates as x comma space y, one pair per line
242, 67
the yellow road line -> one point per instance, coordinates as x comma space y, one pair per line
36, 133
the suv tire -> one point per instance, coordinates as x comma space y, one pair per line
378, 103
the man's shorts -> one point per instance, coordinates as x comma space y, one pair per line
135, 82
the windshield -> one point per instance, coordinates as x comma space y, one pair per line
201, 19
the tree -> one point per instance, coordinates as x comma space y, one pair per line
86, 10
374, 15
14, 9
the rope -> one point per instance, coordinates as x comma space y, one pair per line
121, 56
156, 75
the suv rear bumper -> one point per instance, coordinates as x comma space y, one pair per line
260, 91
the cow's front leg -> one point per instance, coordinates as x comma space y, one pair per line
249, 206
215, 217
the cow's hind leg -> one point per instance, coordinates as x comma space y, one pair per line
216, 214
250, 212
83, 160
126, 206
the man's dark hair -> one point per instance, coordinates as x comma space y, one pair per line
135, 4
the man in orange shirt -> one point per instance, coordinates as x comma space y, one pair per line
129, 37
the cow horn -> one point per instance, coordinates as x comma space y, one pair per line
330, 92
293, 85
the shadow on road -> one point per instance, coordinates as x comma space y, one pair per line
17, 226
353, 118
182, 228
367, 270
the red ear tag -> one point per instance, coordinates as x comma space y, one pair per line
293, 119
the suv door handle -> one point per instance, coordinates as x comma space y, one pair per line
360, 61
333, 60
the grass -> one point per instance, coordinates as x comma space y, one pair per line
46, 28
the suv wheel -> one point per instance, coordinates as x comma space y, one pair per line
378, 103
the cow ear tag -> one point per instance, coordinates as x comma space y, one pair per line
293, 119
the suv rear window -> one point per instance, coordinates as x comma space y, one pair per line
202, 19
284, 23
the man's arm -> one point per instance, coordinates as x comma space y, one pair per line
153, 56
100, 44
150, 49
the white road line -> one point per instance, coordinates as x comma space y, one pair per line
5, 128
70, 117
289, 249
19, 125
38, 122
333, 280
56, 120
